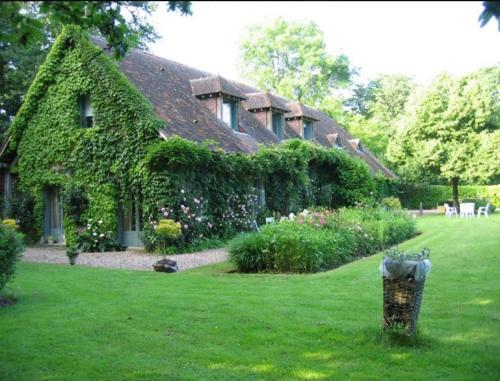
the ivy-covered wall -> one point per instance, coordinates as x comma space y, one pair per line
99, 169
104, 161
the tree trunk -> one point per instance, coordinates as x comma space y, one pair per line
454, 189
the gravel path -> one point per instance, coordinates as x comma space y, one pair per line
130, 259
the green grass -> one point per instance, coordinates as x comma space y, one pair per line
78, 323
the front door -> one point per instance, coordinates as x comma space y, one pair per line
53, 227
130, 224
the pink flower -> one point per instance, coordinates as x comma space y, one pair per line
185, 226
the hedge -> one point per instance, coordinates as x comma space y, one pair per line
433, 195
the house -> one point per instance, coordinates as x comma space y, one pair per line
89, 121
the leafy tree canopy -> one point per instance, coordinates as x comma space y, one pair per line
375, 109
491, 8
450, 130
124, 24
291, 59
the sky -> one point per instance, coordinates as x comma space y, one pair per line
419, 39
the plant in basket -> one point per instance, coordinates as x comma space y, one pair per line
404, 276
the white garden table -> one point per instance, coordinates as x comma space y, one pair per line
467, 209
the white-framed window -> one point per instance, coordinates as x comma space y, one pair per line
86, 112
230, 113
308, 130
278, 125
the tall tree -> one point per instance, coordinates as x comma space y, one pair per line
376, 109
448, 128
291, 59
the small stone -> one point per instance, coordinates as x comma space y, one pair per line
166, 266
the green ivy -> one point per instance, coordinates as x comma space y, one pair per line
105, 160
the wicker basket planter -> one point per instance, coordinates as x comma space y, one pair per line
403, 280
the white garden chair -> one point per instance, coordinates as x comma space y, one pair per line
450, 210
483, 210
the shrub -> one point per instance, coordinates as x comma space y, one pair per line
22, 208
320, 240
287, 247
10, 223
95, 238
391, 203
11, 247
167, 231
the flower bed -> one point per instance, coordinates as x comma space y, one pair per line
320, 240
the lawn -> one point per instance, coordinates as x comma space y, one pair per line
78, 323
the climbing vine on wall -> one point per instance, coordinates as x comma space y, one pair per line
54, 150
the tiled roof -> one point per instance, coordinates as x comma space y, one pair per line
171, 87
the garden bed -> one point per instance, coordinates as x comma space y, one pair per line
320, 240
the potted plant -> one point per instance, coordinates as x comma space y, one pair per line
50, 240
404, 275
72, 253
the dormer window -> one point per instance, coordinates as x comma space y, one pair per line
308, 130
278, 125
356, 144
230, 113
86, 112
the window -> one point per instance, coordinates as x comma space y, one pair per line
277, 121
86, 112
308, 130
230, 113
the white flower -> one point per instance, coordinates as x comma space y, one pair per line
162, 210
95, 241
182, 191
165, 214
101, 235
94, 234
291, 216
100, 222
